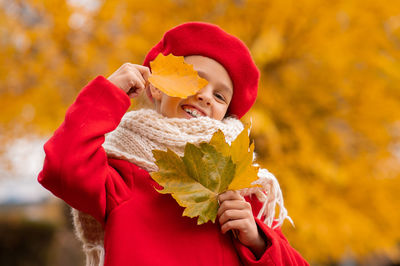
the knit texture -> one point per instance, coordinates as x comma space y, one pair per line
145, 130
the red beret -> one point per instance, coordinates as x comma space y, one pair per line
199, 38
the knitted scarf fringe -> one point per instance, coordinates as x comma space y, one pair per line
144, 130
91, 233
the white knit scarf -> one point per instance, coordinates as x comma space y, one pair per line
145, 130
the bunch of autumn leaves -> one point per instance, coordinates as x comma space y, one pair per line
195, 179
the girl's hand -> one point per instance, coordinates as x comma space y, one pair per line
235, 214
131, 78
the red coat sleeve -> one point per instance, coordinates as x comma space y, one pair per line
76, 168
278, 252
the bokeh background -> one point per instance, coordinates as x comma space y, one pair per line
326, 122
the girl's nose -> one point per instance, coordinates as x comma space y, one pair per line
204, 96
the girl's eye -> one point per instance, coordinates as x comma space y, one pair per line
220, 96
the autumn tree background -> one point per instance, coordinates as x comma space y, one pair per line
327, 117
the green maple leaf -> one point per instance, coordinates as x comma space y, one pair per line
204, 171
195, 180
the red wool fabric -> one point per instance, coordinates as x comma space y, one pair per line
142, 226
199, 38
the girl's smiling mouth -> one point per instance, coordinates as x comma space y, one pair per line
193, 111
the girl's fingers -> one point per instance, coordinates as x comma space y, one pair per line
232, 200
135, 82
144, 71
136, 86
131, 72
233, 204
139, 77
233, 225
133, 92
230, 215
235, 214
129, 78
230, 195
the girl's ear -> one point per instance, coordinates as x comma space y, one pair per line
155, 93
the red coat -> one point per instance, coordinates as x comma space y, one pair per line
142, 226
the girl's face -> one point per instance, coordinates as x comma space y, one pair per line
212, 100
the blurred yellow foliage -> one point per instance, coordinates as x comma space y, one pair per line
326, 121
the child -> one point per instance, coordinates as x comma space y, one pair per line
111, 181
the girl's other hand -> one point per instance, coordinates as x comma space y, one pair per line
131, 78
235, 214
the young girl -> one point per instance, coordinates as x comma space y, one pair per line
107, 177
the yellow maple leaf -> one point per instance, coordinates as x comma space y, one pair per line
173, 76
242, 157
